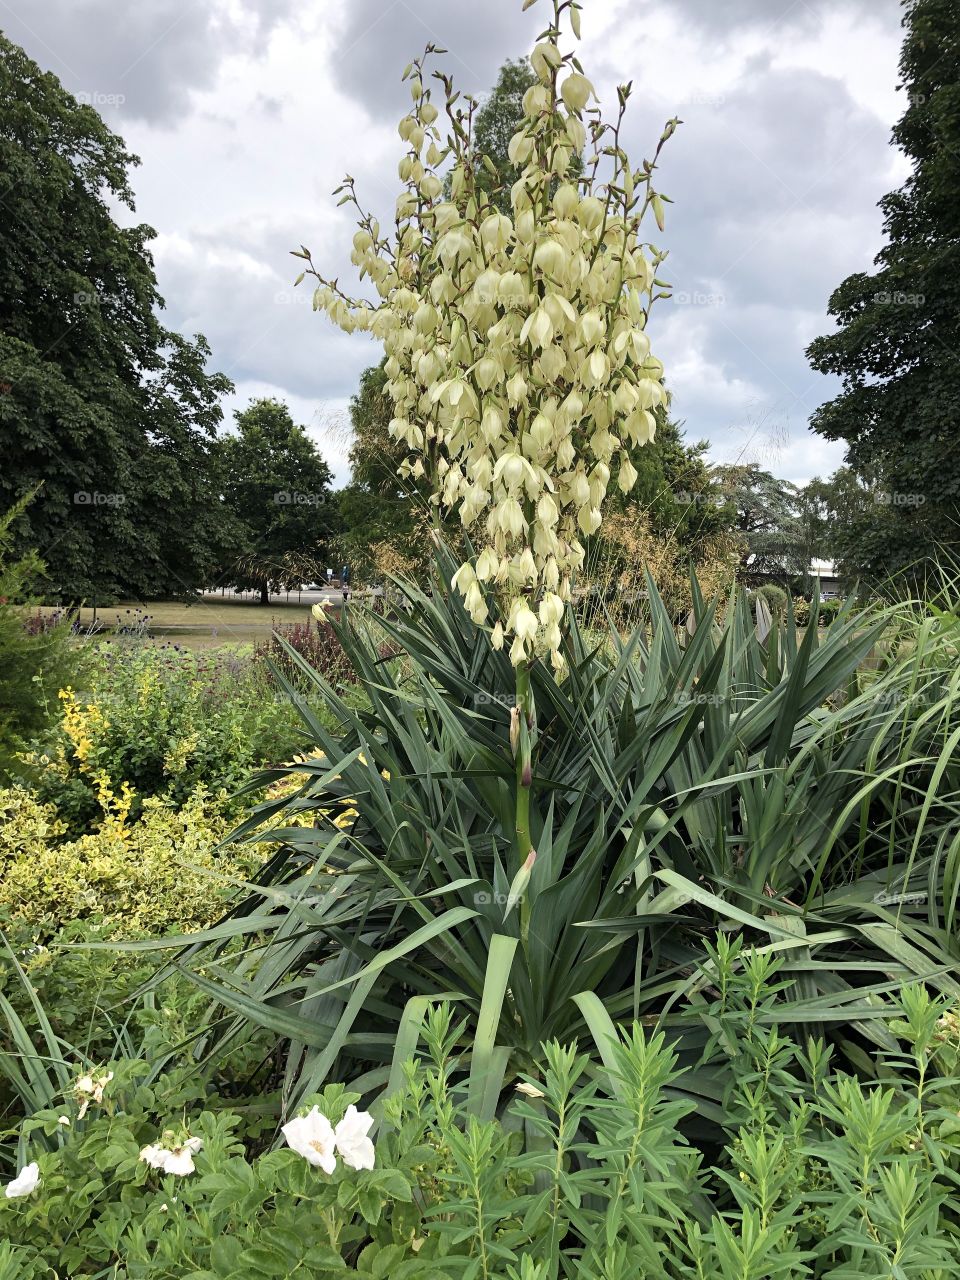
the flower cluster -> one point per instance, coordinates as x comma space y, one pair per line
89, 1088
172, 1155
314, 1137
516, 349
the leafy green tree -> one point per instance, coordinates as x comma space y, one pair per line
494, 125
897, 347
276, 487
767, 520
384, 516
112, 417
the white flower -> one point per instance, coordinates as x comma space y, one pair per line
312, 1137
180, 1160
63, 1120
352, 1141
576, 91
25, 1183
177, 1160
529, 1090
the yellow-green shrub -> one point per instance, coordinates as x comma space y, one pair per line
156, 875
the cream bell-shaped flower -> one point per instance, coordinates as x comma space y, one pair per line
312, 1137
25, 1183
352, 1141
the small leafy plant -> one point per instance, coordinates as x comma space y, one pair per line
587, 1174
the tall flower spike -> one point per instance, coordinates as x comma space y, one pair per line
517, 351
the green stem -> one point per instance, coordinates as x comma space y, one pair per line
524, 765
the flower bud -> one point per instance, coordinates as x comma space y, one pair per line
516, 389
550, 257
514, 716
520, 148
628, 475
544, 59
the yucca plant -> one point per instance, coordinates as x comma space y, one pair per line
733, 776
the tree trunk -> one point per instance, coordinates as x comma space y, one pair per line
265, 593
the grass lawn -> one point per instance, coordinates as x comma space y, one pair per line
210, 623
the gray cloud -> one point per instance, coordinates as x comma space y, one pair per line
143, 60
377, 37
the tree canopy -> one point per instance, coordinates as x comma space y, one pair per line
897, 347
276, 490
108, 414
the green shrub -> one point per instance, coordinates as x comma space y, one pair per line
773, 596
685, 783
801, 611
38, 656
159, 874
164, 722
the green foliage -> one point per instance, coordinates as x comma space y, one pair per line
775, 597
112, 414
728, 776
35, 662
589, 1174
898, 338
276, 486
383, 516
151, 876
768, 520
163, 721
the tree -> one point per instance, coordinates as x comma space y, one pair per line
767, 520
898, 345
277, 488
496, 123
112, 416
383, 516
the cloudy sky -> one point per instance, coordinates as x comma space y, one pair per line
246, 113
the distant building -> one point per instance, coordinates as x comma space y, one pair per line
826, 571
